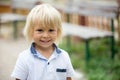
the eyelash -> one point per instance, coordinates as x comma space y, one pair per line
39, 30
50, 30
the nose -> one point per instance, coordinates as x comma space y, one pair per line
45, 34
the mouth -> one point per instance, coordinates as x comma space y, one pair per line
45, 41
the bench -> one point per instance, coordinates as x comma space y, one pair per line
15, 17
85, 32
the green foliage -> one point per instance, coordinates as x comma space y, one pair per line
100, 65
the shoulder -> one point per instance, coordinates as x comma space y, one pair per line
64, 53
24, 54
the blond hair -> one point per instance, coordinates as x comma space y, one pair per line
46, 16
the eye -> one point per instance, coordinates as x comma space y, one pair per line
39, 30
51, 30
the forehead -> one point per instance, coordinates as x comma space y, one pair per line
45, 25
45, 28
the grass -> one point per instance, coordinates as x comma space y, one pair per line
100, 65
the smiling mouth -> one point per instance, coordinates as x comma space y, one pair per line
45, 41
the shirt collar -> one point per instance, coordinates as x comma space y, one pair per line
33, 50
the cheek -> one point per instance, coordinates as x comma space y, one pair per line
55, 35
35, 36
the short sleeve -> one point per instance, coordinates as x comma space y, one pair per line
20, 71
70, 70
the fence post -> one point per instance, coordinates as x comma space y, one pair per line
112, 40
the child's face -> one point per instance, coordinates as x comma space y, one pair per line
44, 37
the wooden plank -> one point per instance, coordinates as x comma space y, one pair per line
97, 5
90, 9
4, 8
89, 12
83, 32
25, 4
10, 17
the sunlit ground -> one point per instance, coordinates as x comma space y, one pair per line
9, 50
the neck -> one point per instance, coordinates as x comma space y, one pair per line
46, 52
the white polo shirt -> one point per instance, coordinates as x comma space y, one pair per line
31, 65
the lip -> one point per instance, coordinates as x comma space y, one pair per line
45, 41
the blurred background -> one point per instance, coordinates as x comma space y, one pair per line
94, 47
